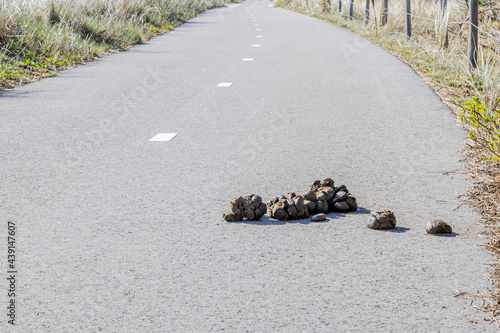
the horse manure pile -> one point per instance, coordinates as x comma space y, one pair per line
320, 197
250, 207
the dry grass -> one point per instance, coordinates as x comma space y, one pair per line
438, 52
484, 197
38, 38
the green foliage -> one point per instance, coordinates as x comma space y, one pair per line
484, 124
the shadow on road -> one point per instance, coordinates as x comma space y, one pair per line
267, 220
10, 93
450, 235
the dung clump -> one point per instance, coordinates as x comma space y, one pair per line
319, 198
438, 227
288, 207
338, 199
250, 207
382, 220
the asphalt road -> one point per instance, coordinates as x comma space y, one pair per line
115, 233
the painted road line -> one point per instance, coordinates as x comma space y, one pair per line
258, 36
256, 24
225, 84
256, 45
247, 59
163, 137
258, 29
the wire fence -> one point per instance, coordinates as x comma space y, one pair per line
440, 15
464, 33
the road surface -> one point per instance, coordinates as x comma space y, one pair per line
117, 233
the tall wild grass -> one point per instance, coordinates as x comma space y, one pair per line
37, 37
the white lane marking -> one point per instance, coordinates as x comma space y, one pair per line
256, 24
256, 45
163, 137
270, 5
258, 36
258, 29
247, 59
225, 84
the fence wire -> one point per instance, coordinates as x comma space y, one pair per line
431, 27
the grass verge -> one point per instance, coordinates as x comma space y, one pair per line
39, 38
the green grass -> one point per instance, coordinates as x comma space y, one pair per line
38, 40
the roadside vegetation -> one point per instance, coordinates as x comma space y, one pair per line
438, 50
40, 37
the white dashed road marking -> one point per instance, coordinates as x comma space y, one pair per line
247, 59
256, 45
163, 137
225, 84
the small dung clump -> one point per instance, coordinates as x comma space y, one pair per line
250, 207
382, 220
289, 207
438, 227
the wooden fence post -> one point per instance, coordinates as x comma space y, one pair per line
351, 8
340, 6
442, 9
408, 19
473, 34
367, 11
384, 11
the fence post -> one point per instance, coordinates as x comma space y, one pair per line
351, 8
442, 11
340, 6
442, 7
473, 34
384, 11
367, 11
408, 19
